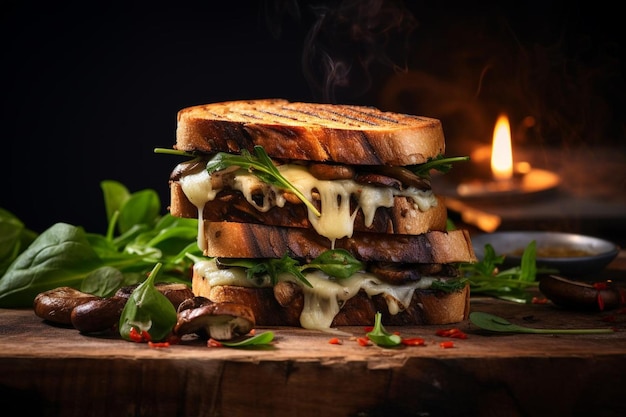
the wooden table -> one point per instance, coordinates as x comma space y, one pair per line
53, 371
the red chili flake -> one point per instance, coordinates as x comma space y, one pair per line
158, 344
600, 301
539, 300
368, 329
600, 285
446, 345
135, 336
363, 341
213, 343
252, 332
335, 341
453, 332
413, 341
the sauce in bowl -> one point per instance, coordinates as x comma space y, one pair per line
556, 252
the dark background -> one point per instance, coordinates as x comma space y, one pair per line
89, 91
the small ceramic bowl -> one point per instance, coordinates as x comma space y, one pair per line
569, 253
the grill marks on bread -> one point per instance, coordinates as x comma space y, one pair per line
355, 135
324, 115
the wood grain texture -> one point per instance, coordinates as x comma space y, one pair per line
55, 371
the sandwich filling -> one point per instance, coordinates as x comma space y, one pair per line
333, 203
324, 298
334, 197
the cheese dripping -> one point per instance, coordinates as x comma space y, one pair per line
322, 302
336, 220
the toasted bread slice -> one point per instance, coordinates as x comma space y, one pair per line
247, 240
403, 218
354, 135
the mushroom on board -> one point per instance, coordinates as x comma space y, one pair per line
220, 321
56, 305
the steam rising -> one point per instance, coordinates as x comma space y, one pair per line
347, 43
556, 76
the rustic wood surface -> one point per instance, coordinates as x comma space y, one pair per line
56, 371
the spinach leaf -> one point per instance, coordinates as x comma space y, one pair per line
60, 256
66, 255
380, 336
147, 310
103, 282
142, 207
14, 238
115, 195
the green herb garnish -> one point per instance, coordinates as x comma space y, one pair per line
258, 339
260, 165
337, 263
498, 324
509, 284
439, 163
382, 337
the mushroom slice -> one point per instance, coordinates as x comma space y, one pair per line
331, 172
220, 321
598, 296
56, 305
395, 273
98, 315
193, 302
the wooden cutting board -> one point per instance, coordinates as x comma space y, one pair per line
55, 371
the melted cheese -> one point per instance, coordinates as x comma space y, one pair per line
335, 222
323, 301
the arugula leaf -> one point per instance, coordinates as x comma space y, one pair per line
337, 263
264, 338
260, 165
509, 284
272, 267
439, 163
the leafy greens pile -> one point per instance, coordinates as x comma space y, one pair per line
510, 284
137, 238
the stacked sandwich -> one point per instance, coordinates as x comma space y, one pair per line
319, 215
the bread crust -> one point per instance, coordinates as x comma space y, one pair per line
403, 218
247, 240
354, 135
426, 307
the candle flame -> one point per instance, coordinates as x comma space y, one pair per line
501, 152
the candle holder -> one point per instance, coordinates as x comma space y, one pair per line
475, 182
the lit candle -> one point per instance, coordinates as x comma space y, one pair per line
502, 152
507, 178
